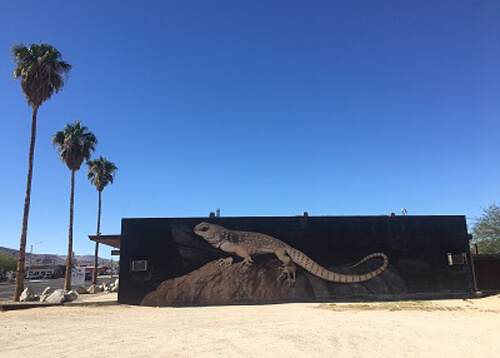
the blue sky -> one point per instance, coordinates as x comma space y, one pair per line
256, 107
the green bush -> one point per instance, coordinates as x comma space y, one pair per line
7, 262
486, 231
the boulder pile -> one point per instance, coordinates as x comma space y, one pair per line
48, 296
58, 296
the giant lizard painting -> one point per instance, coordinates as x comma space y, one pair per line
247, 243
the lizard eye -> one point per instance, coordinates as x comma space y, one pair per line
204, 228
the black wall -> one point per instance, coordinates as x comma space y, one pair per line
417, 247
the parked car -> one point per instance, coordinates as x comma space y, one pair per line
34, 276
48, 275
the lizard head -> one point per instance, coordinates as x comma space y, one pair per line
209, 232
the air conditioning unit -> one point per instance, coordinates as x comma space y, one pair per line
139, 265
457, 259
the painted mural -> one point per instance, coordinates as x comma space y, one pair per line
289, 259
266, 272
246, 243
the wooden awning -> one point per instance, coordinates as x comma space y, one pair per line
110, 240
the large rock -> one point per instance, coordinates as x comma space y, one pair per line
114, 286
55, 297
27, 295
93, 289
70, 296
81, 290
257, 283
46, 291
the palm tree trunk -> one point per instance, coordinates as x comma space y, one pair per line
94, 278
69, 260
24, 231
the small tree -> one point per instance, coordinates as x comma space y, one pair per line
74, 144
101, 173
486, 231
7, 263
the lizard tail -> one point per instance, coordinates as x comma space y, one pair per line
307, 263
371, 256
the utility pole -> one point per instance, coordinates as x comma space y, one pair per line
29, 262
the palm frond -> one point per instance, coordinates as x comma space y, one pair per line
41, 70
74, 144
101, 172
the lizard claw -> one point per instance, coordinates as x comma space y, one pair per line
289, 272
245, 261
226, 262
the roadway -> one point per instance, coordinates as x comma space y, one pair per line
7, 288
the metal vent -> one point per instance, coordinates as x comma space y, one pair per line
139, 265
457, 259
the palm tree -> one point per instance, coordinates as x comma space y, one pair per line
74, 146
42, 72
101, 173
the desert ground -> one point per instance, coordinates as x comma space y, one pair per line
458, 328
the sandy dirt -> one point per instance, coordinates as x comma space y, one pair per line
458, 328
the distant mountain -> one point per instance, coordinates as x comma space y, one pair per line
49, 259
8, 251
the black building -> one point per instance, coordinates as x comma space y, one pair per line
176, 261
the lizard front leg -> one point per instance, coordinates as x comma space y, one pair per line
238, 250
